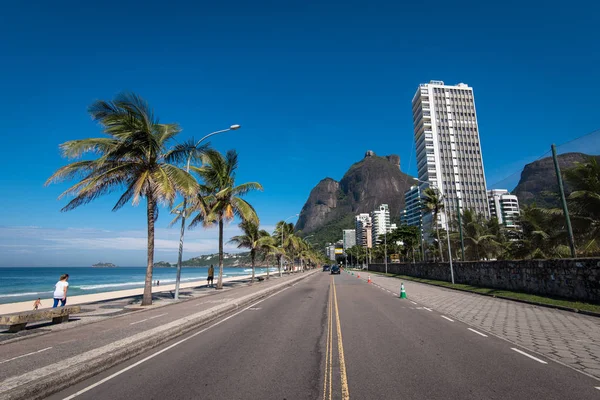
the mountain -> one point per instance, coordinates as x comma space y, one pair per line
229, 260
538, 180
332, 205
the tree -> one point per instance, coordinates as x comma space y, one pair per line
220, 199
543, 231
253, 239
584, 203
433, 203
132, 158
285, 239
480, 241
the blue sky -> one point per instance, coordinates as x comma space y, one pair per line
313, 85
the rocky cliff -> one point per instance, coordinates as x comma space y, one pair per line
538, 180
332, 205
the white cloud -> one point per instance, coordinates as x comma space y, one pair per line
29, 245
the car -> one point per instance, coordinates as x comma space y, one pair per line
325, 268
335, 269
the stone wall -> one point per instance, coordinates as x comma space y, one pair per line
577, 279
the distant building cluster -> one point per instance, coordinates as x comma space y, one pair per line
449, 159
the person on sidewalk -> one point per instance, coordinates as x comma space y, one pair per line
37, 303
211, 276
60, 291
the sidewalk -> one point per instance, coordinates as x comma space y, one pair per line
30, 360
570, 338
112, 305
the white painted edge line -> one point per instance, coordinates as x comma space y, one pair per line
479, 333
530, 356
428, 309
598, 387
443, 316
165, 349
25, 355
413, 302
147, 319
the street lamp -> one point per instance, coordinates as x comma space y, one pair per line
447, 226
183, 209
281, 257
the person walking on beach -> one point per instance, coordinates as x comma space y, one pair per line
60, 291
211, 276
37, 303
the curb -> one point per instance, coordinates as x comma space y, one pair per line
45, 381
533, 303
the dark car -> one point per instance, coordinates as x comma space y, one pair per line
325, 268
335, 269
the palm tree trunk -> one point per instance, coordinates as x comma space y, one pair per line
147, 298
220, 282
268, 268
252, 256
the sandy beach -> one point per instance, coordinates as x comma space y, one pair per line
90, 298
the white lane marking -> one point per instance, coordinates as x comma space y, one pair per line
598, 387
25, 355
530, 356
413, 302
428, 309
166, 349
147, 319
443, 316
479, 333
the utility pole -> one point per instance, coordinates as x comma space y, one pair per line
564, 202
385, 251
460, 229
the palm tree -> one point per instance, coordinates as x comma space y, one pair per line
253, 239
434, 204
284, 237
269, 251
480, 241
131, 157
221, 200
584, 203
543, 230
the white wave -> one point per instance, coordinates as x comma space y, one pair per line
108, 285
138, 283
22, 294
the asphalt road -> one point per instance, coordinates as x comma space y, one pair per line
337, 337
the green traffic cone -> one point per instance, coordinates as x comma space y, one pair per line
402, 291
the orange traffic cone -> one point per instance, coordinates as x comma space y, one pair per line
358, 276
369, 280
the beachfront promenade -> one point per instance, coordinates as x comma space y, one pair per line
314, 336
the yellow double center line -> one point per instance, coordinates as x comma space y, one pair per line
328, 381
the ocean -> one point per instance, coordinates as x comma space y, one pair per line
23, 283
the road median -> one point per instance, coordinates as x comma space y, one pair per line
49, 379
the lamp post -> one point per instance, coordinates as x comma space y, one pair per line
183, 209
385, 251
281, 257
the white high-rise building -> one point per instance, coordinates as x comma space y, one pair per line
349, 238
363, 230
448, 149
413, 208
381, 222
504, 206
